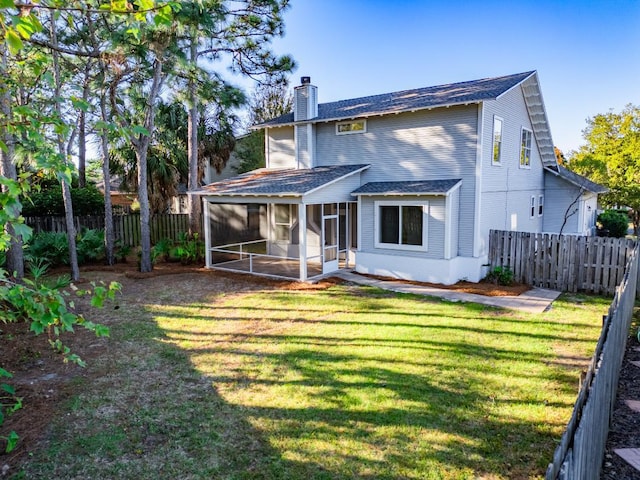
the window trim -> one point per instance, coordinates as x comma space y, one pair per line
493, 141
525, 166
351, 132
540, 205
532, 212
401, 203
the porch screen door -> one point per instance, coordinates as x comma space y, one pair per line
329, 237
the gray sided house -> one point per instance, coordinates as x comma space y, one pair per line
405, 184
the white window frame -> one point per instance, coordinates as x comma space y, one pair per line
351, 122
400, 204
532, 212
493, 140
289, 224
524, 148
540, 205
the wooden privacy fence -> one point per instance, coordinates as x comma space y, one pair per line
126, 227
580, 453
567, 263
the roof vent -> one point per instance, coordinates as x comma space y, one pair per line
305, 80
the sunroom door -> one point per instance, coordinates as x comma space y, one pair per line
329, 237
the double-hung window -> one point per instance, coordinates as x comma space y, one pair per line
540, 205
401, 225
282, 218
497, 140
533, 206
525, 148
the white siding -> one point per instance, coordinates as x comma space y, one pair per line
454, 199
507, 188
435, 228
563, 199
424, 145
281, 148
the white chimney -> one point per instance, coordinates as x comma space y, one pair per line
305, 106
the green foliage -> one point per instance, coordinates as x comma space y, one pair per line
250, 151
122, 251
611, 157
9, 403
614, 222
187, 249
49, 202
53, 247
501, 276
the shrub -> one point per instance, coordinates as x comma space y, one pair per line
501, 276
615, 222
90, 246
49, 202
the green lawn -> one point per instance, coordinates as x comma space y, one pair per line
348, 382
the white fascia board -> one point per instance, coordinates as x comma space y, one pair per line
534, 73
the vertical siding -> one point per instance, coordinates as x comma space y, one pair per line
454, 198
424, 145
507, 188
435, 228
281, 148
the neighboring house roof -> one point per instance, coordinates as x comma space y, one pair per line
578, 180
417, 99
283, 182
423, 187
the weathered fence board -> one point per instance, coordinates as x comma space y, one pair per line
562, 262
126, 227
581, 450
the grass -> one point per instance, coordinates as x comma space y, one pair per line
348, 382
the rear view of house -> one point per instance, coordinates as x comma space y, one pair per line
405, 184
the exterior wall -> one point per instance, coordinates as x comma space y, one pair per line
453, 202
564, 198
281, 151
423, 145
339, 191
435, 229
442, 271
507, 188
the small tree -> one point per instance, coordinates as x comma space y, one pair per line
614, 223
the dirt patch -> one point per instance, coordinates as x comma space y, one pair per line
483, 288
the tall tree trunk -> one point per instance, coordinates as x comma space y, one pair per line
109, 233
195, 210
82, 130
141, 145
66, 187
14, 255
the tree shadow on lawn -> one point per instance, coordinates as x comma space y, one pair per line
150, 410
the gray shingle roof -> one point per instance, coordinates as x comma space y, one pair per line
581, 181
424, 187
290, 182
419, 98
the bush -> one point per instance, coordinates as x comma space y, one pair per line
615, 222
186, 249
53, 247
49, 202
501, 276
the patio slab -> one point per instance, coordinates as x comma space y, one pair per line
536, 300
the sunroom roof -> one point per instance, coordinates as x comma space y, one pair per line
280, 182
417, 187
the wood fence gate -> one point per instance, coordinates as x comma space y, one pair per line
567, 263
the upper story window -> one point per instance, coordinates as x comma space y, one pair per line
355, 126
401, 225
497, 140
525, 148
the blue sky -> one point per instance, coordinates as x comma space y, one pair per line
587, 53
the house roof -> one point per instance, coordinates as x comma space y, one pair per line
419, 187
578, 180
408, 100
281, 182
